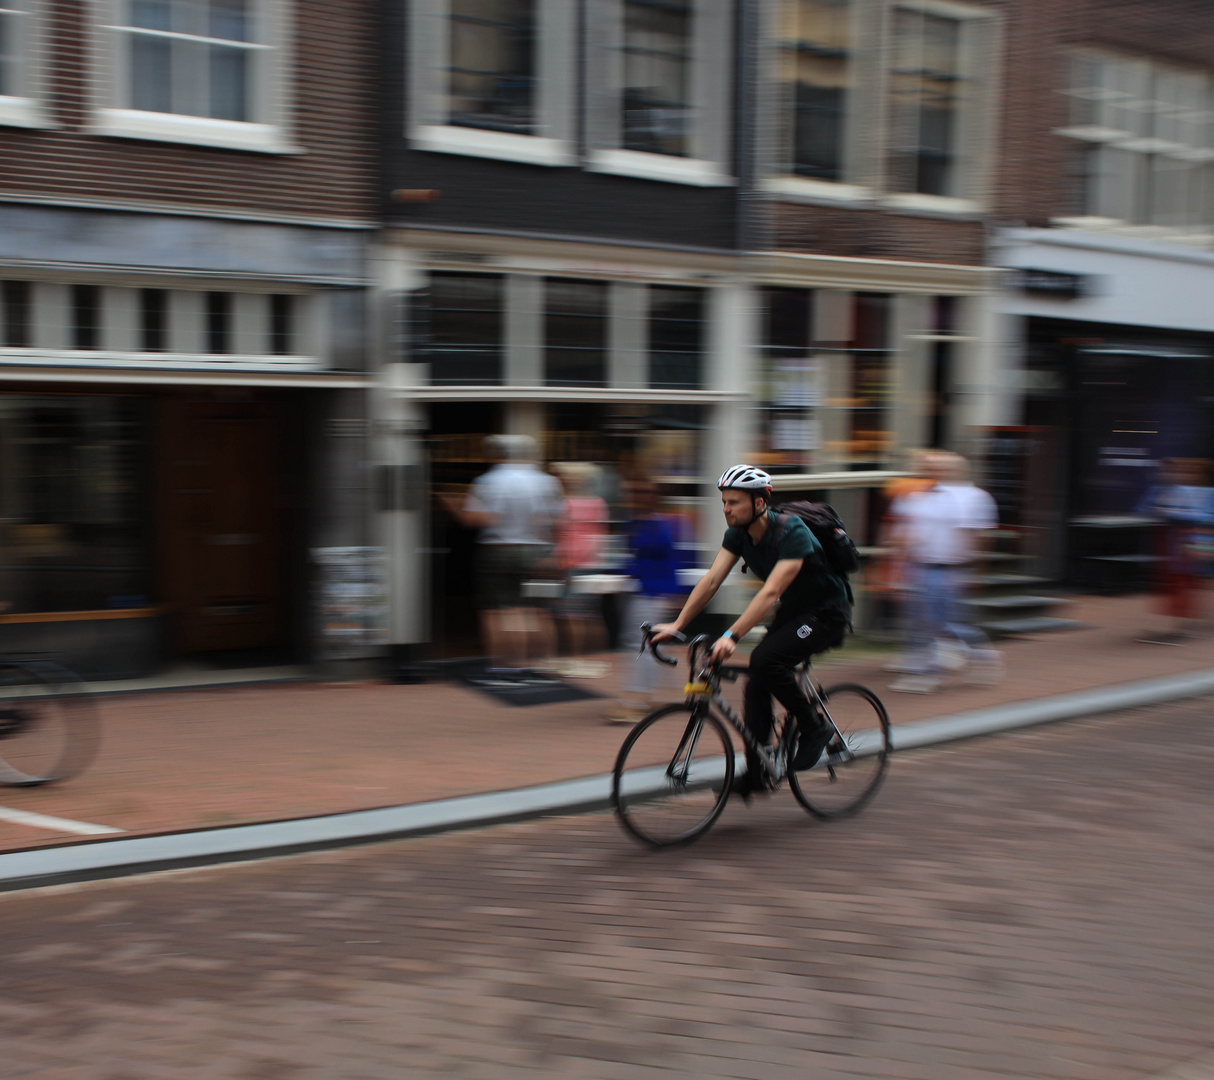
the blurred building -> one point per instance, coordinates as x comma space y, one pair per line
673, 235
185, 199
1106, 207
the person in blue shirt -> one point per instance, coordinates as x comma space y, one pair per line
812, 615
653, 565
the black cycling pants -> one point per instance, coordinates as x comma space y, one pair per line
773, 668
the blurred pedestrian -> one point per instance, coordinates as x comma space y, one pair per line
654, 560
1185, 505
889, 579
581, 544
942, 530
514, 505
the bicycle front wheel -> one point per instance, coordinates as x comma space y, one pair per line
673, 775
48, 724
848, 775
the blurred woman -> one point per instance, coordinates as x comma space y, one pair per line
581, 539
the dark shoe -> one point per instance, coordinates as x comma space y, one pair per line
810, 747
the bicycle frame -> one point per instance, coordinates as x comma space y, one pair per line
773, 759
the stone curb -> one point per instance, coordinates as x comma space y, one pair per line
97, 859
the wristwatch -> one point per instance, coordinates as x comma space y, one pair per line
730, 634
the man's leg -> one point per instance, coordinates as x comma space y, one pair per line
773, 674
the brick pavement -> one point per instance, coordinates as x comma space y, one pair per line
1032, 905
216, 757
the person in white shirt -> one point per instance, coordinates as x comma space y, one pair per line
943, 531
515, 505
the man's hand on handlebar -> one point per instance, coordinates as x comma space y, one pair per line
722, 649
665, 632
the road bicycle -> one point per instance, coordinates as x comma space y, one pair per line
48, 722
674, 773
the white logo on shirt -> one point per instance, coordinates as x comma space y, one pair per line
803, 631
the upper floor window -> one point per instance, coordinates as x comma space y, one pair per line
1143, 136
656, 102
815, 63
199, 71
925, 90
884, 99
493, 65
659, 95
18, 60
493, 78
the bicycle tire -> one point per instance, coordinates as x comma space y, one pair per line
49, 729
668, 787
835, 787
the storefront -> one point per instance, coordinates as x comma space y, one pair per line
1111, 360
172, 437
634, 360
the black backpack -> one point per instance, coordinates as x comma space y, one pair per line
840, 553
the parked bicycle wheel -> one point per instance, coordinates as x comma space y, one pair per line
673, 775
843, 781
48, 723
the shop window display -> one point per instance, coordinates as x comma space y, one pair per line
73, 493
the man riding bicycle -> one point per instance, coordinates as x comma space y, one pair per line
812, 616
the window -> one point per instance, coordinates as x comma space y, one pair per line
153, 320
201, 71
791, 391
458, 328
281, 311
872, 384
657, 76
659, 89
815, 71
892, 102
1143, 141
676, 337
575, 333
493, 78
18, 64
15, 312
74, 502
924, 92
219, 322
86, 317
191, 58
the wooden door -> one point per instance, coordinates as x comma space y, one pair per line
222, 555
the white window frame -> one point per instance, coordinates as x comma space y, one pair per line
867, 124
272, 90
426, 124
1149, 146
25, 109
712, 85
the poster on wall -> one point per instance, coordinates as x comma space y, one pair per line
352, 601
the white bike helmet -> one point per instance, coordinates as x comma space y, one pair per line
745, 477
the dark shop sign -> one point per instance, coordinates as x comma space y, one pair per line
1051, 283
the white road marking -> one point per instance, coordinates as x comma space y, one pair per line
58, 824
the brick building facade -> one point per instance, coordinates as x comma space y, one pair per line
186, 199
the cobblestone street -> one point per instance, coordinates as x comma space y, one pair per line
1031, 905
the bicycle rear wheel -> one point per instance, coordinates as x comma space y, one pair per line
673, 775
846, 777
48, 723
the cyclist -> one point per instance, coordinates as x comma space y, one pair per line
812, 615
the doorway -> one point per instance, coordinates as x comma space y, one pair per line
220, 522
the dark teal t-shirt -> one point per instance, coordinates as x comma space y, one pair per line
815, 589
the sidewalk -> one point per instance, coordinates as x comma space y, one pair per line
194, 758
